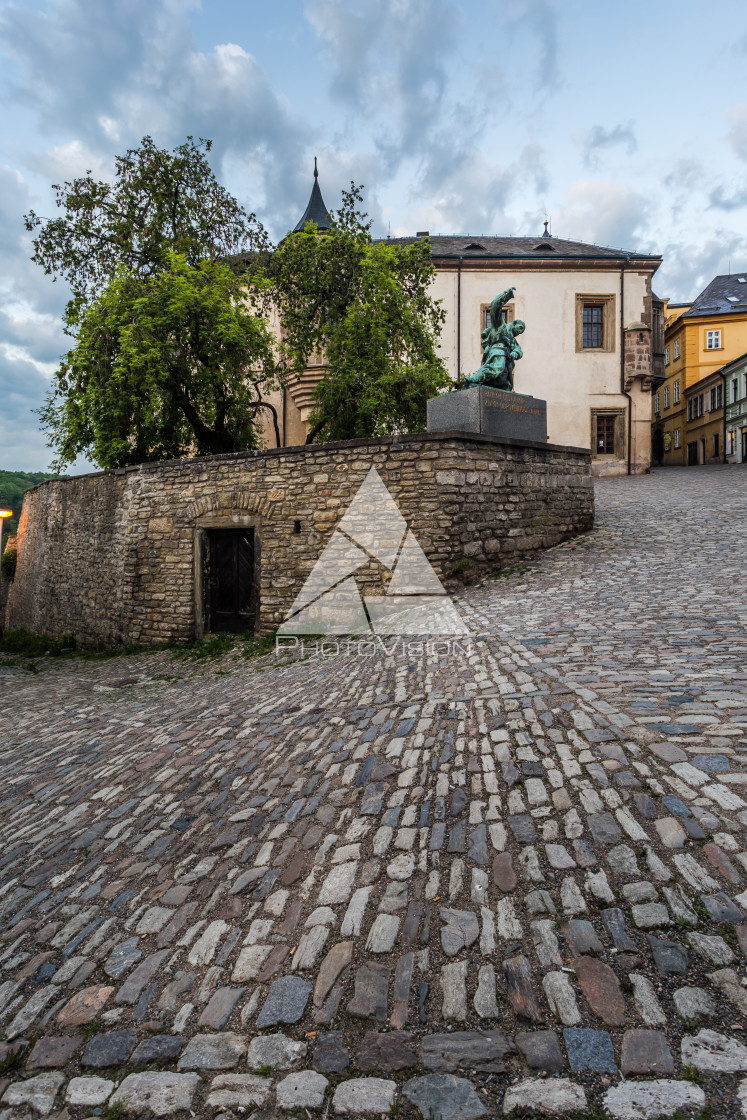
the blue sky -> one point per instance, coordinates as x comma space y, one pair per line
625, 123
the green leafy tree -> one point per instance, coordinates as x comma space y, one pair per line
173, 355
364, 309
172, 363
159, 202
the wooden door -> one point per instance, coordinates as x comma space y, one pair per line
229, 584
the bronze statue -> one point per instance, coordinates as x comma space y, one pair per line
500, 351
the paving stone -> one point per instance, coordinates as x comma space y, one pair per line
713, 949
483, 1051
650, 915
652, 1100
159, 1093
122, 958
84, 1006
604, 828
219, 1007
601, 989
614, 921
521, 993
454, 989
333, 965
541, 1050
648, 1005
712, 1052
286, 1001
561, 997
461, 929
670, 957
391, 1050
52, 1052
38, 1092
581, 937
364, 1095
589, 1050
440, 1096
330, 1053
109, 1048
552, 1097
213, 1051
371, 992
275, 1050
89, 1091
693, 1004
504, 875
158, 1048
304, 1089
721, 908
238, 1091
645, 1052
485, 1001
383, 934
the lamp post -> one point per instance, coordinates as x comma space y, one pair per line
3, 514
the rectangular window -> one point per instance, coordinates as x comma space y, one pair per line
676, 437
676, 349
690, 409
595, 323
719, 395
656, 402
731, 442
666, 396
676, 392
701, 404
666, 355
605, 435
593, 326
734, 389
713, 340
713, 399
715, 444
607, 432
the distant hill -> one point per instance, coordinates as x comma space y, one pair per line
12, 487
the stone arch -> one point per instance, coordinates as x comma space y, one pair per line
248, 501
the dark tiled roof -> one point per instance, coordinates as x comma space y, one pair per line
316, 211
450, 248
733, 364
725, 295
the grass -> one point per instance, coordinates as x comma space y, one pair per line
21, 643
13, 1060
729, 935
115, 1111
691, 1074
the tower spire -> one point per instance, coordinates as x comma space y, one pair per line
316, 211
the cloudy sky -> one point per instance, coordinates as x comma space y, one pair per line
625, 123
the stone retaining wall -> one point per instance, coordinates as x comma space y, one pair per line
115, 557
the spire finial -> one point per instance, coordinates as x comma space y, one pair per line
316, 173
547, 232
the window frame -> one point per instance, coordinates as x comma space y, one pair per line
666, 356
676, 349
716, 331
676, 391
617, 417
609, 322
509, 314
677, 438
666, 396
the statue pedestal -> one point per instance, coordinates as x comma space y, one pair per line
491, 412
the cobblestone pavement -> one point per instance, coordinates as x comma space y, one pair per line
457, 884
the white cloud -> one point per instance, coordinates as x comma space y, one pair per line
604, 212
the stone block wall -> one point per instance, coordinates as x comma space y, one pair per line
116, 557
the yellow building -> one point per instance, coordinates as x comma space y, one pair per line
700, 338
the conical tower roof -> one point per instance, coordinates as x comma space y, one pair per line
316, 211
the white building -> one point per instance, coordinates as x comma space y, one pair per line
594, 333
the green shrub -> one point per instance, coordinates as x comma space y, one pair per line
35, 645
8, 563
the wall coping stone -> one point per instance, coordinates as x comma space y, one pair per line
341, 445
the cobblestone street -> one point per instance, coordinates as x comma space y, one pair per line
454, 884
